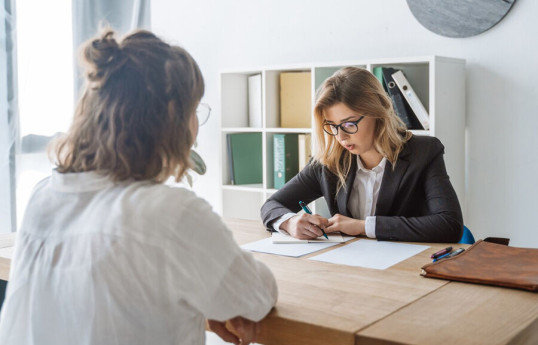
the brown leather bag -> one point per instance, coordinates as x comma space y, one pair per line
491, 264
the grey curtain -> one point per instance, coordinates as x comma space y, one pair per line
89, 16
8, 115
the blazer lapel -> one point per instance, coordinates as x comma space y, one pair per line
343, 194
390, 184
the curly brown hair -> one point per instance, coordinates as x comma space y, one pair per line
132, 121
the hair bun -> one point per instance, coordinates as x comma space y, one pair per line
102, 56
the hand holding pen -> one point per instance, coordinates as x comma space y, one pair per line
307, 210
305, 226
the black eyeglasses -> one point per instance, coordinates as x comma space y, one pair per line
349, 127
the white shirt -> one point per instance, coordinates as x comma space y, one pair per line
129, 263
362, 199
364, 194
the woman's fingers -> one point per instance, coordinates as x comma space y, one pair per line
312, 231
319, 221
306, 233
246, 329
220, 329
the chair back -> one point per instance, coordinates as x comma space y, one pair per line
467, 237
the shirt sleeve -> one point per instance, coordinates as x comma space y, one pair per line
239, 294
212, 273
370, 226
441, 219
282, 219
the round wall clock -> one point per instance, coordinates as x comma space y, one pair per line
459, 18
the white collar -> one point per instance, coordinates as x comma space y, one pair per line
377, 169
79, 182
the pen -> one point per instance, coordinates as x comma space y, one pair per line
445, 255
441, 252
454, 253
449, 255
307, 210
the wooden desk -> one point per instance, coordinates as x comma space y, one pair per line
322, 303
461, 313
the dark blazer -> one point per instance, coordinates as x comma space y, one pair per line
416, 201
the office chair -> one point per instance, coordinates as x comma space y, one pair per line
467, 237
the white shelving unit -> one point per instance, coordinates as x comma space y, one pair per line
438, 81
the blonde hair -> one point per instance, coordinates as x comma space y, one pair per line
133, 119
359, 90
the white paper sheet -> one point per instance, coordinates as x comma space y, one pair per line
284, 238
267, 246
370, 254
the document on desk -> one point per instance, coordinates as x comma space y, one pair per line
284, 238
289, 249
370, 254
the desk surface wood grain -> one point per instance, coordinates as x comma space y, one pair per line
461, 313
323, 303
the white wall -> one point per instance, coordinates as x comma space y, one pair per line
502, 82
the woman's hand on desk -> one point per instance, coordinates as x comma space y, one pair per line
246, 331
305, 226
346, 225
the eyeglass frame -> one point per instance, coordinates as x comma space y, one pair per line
337, 127
205, 108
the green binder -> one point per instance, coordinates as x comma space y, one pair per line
245, 158
378, 72
286, 158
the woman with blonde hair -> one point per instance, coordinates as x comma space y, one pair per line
377, 178
108, 254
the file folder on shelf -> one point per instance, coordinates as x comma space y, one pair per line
378, 72
295, 100
255, 101
286, 158
305, 150
245, 158
412, 99
401, 108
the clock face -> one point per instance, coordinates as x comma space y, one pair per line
459, 18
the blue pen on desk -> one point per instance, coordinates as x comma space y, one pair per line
307, 210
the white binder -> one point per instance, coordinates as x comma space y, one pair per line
412, 99
255, 101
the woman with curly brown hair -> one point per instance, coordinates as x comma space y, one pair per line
377, 178
108, 254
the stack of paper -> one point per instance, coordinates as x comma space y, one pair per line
281, 238
293, 249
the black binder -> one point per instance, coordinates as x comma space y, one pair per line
401, 107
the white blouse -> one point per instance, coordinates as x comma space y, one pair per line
98, 262
365, 192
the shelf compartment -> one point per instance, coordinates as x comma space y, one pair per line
234, 98
271, 102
